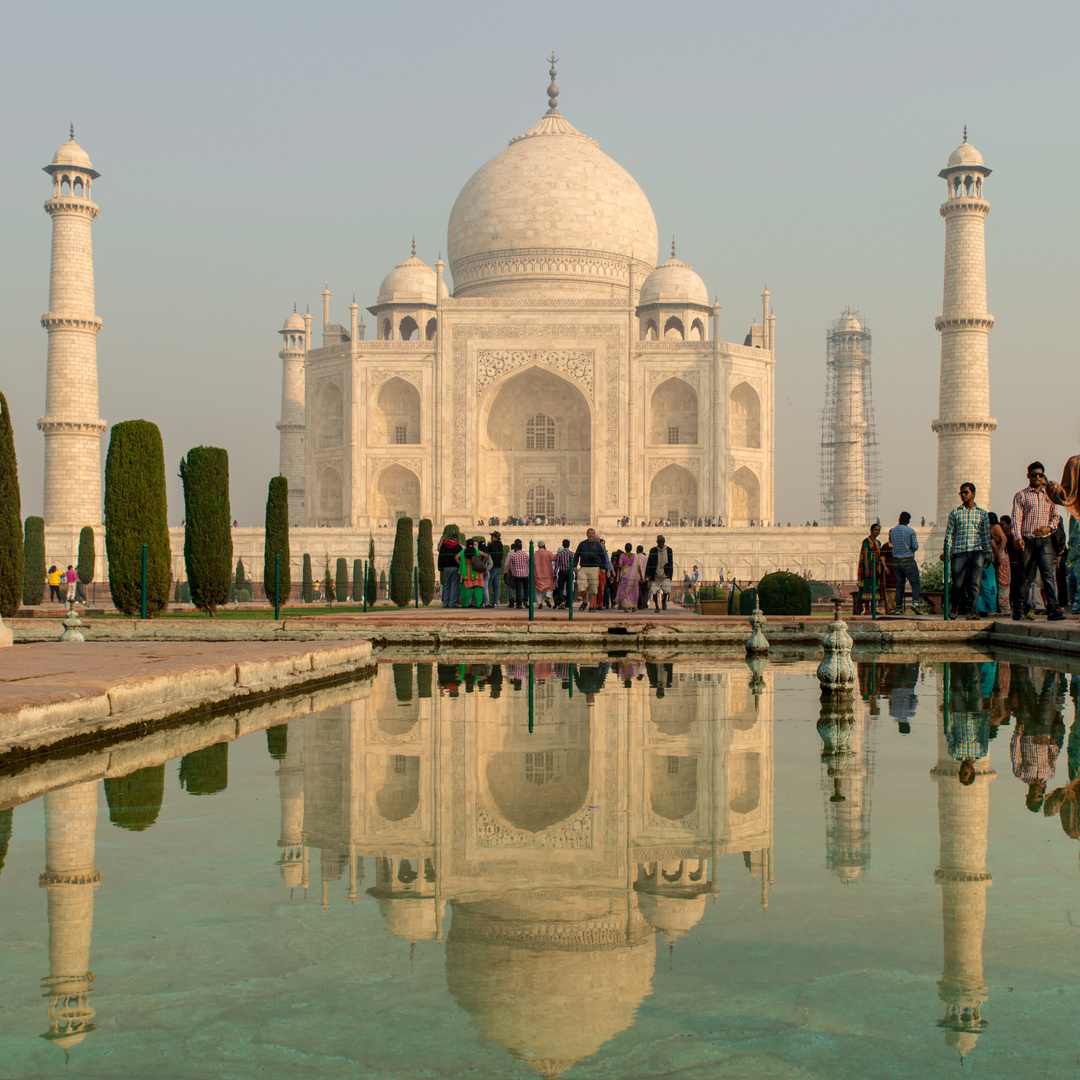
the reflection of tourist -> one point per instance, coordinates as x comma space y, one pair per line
590, 679
967, 719
903, 701
1039, 734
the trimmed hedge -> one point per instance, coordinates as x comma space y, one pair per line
136, 514
784, 593
206, 771
403, 683
382, 585
425, 559
369, 584
276, 540
308, 586
87, 555
208, 527
746, 599
33, 561
277, 741
11, 523
401, 564
135, 800
341, 585
358, 581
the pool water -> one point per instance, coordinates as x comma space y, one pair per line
611, 869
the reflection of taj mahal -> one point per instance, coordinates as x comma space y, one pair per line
566, 373
561, 852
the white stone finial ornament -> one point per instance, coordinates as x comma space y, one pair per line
757, 642
836, 672
553, 90
72, 625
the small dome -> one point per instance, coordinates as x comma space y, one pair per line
673, 282
848, 322
965, 154
410, 282
294, 322
73, 155
411, 917
673, 916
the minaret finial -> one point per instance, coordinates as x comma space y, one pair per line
72, 130
414, 245
553, 90
965, 133
294, 307
673, 246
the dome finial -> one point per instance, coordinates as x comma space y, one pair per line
965, 133
72, 130
553, 90
414, 245
673, 246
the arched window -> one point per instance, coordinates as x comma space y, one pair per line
697, 330
674, 413
540, 501
387, 329
674, 330
540, 433
407, 328
744, 428
77, 187
648, 332
331, 498
330, 418
430, 332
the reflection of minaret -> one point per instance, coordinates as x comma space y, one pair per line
70, 879
294, 860
848, 758
963, 821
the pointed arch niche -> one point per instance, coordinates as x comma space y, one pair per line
330, 498
329, 417
673, 414
397, 494
744, 498
744, 417
673, 494
397, 414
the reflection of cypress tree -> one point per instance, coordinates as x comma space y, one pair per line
135, 800
205, 771
423, 680
277, 741
403, 683
5, 834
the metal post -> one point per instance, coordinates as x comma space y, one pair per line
530, 696
365, 586
531, 599
277, 586
570, 608
144, 551
416, 586
873, 585
946, 574
571, 666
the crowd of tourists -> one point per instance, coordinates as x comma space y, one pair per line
473, 572
1013, 564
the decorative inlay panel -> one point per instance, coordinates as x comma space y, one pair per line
377, 464
378, 375
491, 363
659, 375
734, 464
693, 464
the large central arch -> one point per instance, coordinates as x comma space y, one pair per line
535, 447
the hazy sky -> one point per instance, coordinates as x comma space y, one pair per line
248, 152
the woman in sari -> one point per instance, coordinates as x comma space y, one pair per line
631, 575
871, 569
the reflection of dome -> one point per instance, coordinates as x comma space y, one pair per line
965, 154
550, 980
673, 283
411, 917
673, 916
551, 210
410, 282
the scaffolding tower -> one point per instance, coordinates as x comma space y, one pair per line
849, 452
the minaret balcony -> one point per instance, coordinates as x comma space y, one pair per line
964, 322
966, 204
52, 321
52, 425
71, 204
956, 427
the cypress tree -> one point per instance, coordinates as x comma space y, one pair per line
403, 680
87, 555
5, 833
341, 586
329, 592
370, 583
205, 771
401, 564
423, 680
34, 561
135, 800
309, 581
241, 576
382, 585
136, 514
425, 559
207, 526
11, 524
357, 581
276, 538
451, 528
277, 741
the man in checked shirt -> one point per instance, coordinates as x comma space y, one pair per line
967, 539
1034, 519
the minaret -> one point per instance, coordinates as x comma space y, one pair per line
294, 334
293, 861
71, 424
70, 879
963, 824
964, 424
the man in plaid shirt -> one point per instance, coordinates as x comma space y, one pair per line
517, 568
564, 557
967, 539
1034, 520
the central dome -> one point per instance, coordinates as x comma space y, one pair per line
553, 216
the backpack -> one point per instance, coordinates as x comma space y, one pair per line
480, 561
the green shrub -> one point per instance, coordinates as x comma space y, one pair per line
136, 514
401, 564
208, 527
11, 524
308, 592
357, 581
206, 771
369, 584
135, 800
329, 593
341, 585
276, 540
277, 741
241, 577
382, 585
87, 555
425, 560
821, 590
746, 601
784, 593
244, 596
423, 680
403, 680
713, 592
932, 576
34, 561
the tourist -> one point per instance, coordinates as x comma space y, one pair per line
1034, 520
904, 545
473, 565
491, 583
54, 583
871, 575
1072, 565
543, 573
967, 541
631, 575
589, 557
71, 577
562, 563
999, 548
605, 576
517, 574
449, 550
658, 571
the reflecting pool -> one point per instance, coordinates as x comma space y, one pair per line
613, 868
